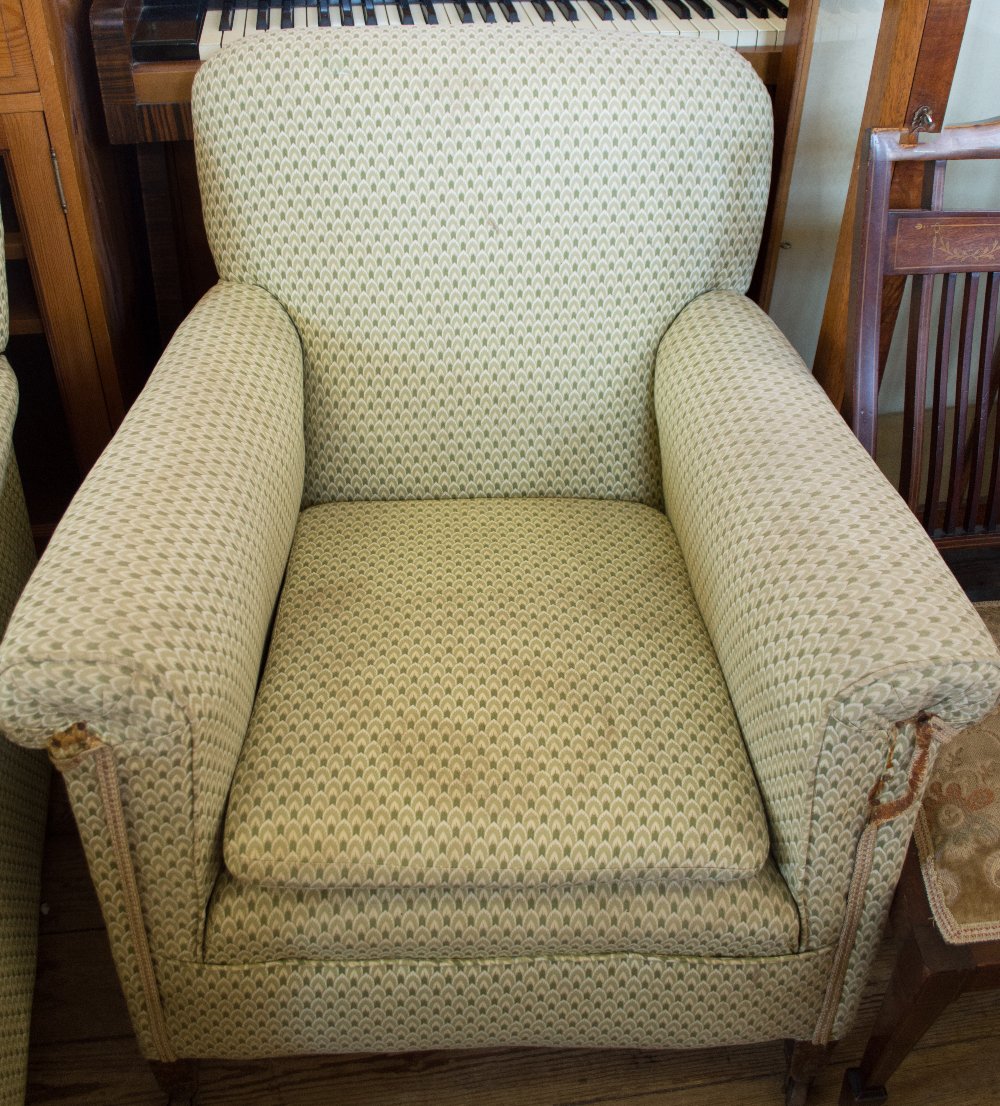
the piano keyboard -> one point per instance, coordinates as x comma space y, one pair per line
743, 24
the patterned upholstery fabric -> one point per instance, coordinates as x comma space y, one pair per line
375, 342
832, 615
480, 291
621, 1001
735, 918
958, 829
149, 614
490, 693
23, 780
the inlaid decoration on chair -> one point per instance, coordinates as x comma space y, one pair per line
949, 456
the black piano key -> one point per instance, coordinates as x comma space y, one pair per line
701, 8
323, 12
486, 11
756, 7
430, 15
602, 9
371, 19
644, 8
263, 15
543, 9
569, 13
679, 8
779, 9
734, 6
346, 13
621, 6
464, 11
405, 12
287, 15
228, 14
509, 11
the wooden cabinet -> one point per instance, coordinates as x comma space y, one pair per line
72, 236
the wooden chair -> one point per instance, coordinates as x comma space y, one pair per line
950, 455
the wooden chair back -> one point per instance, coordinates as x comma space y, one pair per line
950, 453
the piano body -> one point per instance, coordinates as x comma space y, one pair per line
148, 52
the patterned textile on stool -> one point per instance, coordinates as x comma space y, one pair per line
958, 829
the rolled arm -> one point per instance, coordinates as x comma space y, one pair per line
148, 614
834, 618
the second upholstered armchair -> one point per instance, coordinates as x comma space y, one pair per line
606, 668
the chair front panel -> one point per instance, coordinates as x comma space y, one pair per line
481, 238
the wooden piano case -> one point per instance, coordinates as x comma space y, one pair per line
75, 280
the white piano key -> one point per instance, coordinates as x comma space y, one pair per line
738, 31
239, 27
250, 27
589, 19
381, 16
559, 20
447, 16
526, 10
718, 30
707, 28
681, 28
643, 25
274, 23
392, 13
305, 16
210, 39
766, 35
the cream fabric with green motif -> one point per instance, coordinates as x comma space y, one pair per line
755, 916
23, 782
831, 612
481, 278
620, 1001
490, 693
149, 611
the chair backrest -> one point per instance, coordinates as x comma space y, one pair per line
481, 237
949, 454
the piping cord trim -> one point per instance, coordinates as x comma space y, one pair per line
66, 749
879, 814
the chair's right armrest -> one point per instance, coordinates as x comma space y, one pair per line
147, 616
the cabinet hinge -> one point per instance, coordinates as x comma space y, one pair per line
58, 175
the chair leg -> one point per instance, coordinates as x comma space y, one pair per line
916, 995
805, 1062
178, 1081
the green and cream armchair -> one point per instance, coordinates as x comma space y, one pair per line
24, 775
605, 669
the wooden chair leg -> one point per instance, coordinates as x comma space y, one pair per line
179, 1081
916, 995
805, 1062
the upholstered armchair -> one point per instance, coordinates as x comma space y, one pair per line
24, 774
605, 669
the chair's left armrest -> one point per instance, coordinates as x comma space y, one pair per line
147, 616
833, 616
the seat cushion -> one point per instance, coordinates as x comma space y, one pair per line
756, 916
490, 693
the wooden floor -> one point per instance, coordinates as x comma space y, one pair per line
83, 1052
